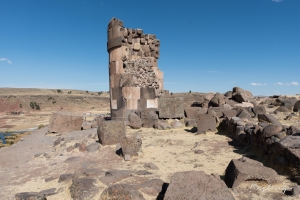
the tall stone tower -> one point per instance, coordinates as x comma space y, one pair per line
135, 81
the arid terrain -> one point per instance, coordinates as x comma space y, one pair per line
51, 164
17, 114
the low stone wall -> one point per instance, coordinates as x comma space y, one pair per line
271, 140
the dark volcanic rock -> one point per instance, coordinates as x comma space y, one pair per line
121, 191
293, 129
243, 114
268, 118
206, 122
135, 121
111, 132
241, 95
65, 177
196, 185
83, 188
245, 169
150, 166
258, 109
62, 122
193, 112
163, 125
229, 113
170, 107
30, 196
191, 123
282, 109
93, 147
271, 129
149, 118
114, 176
217, 100
153, 187
132, 145
297, 106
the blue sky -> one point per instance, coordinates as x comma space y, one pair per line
206, 45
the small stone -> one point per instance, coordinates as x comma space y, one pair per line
93, 147
82, 147
198, 151
70, 148
127, 157
150, 166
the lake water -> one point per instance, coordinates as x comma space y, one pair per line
2, 135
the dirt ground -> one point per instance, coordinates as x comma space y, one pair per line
17, 115
22, 169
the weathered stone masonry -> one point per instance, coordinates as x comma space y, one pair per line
134, 78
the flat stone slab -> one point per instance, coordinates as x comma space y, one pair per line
63, 122
196, 185
111, 132
245, 169
206, 122
170, 107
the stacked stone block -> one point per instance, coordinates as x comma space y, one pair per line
136, 83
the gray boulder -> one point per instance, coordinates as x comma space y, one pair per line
240, 95
192, 185
135, 121
121, 191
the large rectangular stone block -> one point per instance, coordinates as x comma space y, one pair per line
147, 93
116, 93
131, 92
152, 103
114, 104
62, 122
149, 118
132, 104
115, 42
116, 32
115, 80
111, 132
170, 107
206, 122
126, 80
116, 67
118, 53
142, 104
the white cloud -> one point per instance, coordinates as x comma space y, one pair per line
287, 84
277, 1
258, 84
294, 83
5, 59
279, 83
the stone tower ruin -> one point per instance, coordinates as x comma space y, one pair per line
135, 81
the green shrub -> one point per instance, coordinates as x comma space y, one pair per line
34, 105
41, 126
59, 91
